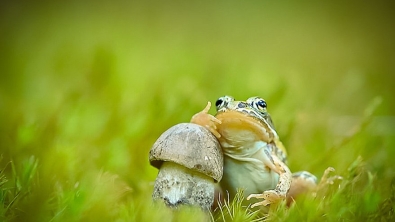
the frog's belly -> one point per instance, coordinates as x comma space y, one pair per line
251, 177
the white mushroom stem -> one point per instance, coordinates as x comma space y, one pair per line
178, 185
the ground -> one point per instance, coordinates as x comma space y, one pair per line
87, 87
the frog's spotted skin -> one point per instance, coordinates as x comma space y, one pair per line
306, 176
254, 157
254, 107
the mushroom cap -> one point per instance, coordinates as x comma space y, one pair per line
191, 146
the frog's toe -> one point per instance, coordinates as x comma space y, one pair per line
206, 120
210, 124
213, 131
270, 196
325, 179
258, 196
262, 203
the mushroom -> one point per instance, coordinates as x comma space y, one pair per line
190, 162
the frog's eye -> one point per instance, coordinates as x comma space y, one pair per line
257, 103
223, 101
261, 104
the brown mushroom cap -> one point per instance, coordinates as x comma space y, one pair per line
189, 145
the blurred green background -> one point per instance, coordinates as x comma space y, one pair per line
86, 88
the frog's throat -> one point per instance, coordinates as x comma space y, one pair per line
235, 144
243, 153
238, 120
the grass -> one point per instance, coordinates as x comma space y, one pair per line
87, 87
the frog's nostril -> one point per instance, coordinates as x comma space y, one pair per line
241, 105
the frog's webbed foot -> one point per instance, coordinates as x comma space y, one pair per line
207, 120
326, 180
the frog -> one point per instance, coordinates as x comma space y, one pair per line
255, 159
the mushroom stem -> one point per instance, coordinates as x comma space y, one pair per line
178, 185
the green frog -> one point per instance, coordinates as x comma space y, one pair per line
255, 160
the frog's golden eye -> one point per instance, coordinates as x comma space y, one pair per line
223, 101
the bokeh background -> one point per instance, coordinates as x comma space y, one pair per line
87, 87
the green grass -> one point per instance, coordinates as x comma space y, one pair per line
87, 88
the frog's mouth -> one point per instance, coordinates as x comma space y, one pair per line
234, 121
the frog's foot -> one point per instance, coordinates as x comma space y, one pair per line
206, 120
326, 180
270, 196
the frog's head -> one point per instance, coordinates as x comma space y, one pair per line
254, 107
250, 115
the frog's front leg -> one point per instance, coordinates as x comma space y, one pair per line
206, 120
284, 183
